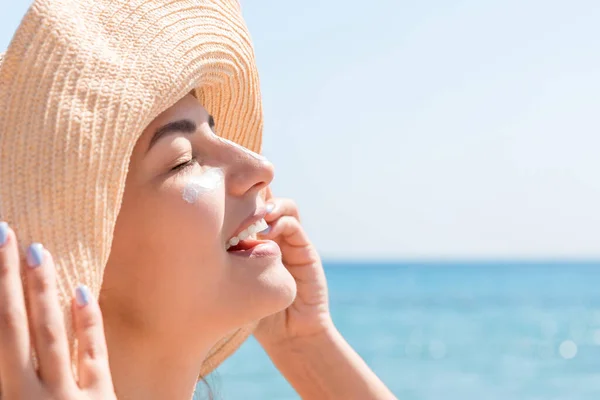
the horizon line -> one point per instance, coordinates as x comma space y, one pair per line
458, 260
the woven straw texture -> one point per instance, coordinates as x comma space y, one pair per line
80, 81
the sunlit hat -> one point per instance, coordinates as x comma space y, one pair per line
80, 81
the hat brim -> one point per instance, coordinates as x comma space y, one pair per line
227, 345
80, 81
225, 348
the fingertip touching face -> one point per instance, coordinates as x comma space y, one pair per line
184, 261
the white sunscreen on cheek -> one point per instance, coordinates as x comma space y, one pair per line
197, 186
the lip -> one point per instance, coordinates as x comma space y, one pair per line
258, 214
259, 248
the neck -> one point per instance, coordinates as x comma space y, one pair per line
148, 368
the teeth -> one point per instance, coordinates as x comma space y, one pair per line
261, 225
246, 233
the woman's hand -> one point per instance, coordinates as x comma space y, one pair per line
309, 313
302, 341
41, 326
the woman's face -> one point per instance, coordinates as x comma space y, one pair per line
188, 193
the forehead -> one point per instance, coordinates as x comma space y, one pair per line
186, 108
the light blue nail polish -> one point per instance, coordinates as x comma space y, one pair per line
270, 207
3, 233
35, 255
82, 295
266, 230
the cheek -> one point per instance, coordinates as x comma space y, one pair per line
189, 252
191, 219
173, 234
201, 187
168, 253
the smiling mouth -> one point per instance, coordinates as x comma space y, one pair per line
246, 239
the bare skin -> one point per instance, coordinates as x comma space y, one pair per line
53, 380
205, 290
302, 340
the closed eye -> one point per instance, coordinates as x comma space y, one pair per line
184, 165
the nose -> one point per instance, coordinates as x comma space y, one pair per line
247, 172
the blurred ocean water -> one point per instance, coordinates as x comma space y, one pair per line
465, 331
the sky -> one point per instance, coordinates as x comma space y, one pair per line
436, 129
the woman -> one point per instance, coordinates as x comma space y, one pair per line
105, 113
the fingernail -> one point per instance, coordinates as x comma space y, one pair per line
266, 230
35, 255
82, 295
270, 207
3, 233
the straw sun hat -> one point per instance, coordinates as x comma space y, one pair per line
79, 83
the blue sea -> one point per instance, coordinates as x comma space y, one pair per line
455, 331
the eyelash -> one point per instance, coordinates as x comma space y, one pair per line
184, 165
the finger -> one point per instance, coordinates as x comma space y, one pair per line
92, 352
287, 229
268, 193
279, 207
46, 319
298, 255
16, 366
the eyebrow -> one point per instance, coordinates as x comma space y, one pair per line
181, 126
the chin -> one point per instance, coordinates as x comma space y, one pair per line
276, 289
283, 287
266, 287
